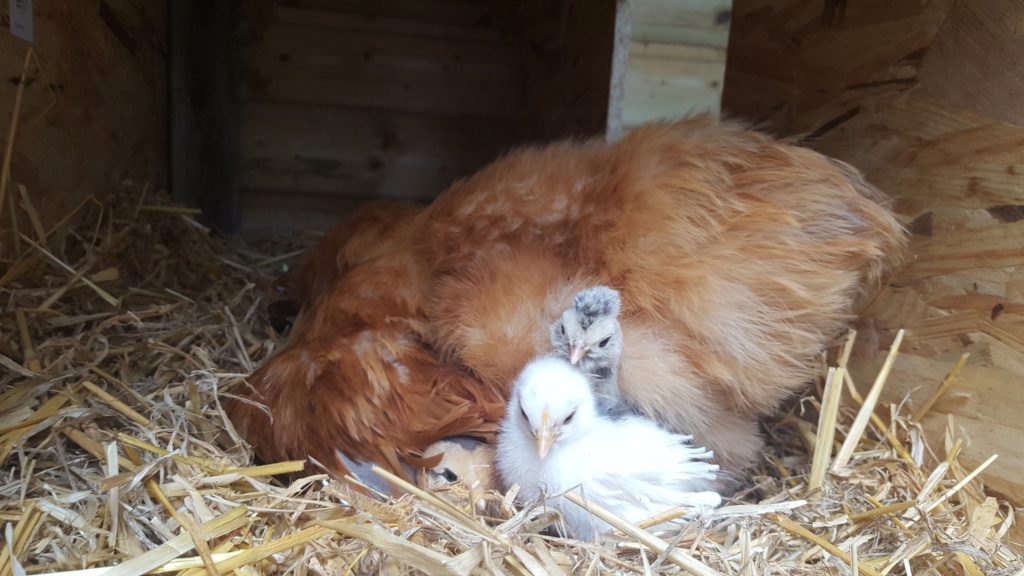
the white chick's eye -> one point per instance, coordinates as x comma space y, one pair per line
523, 412
605, 342
569, 417
449, 476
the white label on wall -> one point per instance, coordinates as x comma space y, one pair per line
21, 19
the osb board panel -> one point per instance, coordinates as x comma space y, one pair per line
977, 58
893, 89
957, 175
94, 110
792, 70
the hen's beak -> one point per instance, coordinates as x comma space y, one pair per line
545, 436
576, 353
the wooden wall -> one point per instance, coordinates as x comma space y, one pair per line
350, 101
93, 114
676, 60
927, 99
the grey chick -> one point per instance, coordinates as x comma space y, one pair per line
589, 335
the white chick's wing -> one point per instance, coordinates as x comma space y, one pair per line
639, 470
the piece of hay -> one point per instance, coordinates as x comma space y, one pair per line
113, 440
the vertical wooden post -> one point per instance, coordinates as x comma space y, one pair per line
620, 60
204, 108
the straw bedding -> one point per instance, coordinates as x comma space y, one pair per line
123, 334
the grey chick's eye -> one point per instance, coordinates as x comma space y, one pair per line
605, 342
569, 417
449, 476
563, 329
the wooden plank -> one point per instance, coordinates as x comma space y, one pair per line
668, 81
364, 152
683, 22
458, 12
276, 210
292, 63
346, 21
977, 57
614, 127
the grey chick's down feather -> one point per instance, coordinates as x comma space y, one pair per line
554, 439
589, 336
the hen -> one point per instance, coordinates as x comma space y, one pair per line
737, 258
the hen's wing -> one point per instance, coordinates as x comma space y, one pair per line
358, 376
365, 234
493, 313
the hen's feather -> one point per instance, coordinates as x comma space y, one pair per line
737, 257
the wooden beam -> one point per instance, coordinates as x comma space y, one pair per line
204, 104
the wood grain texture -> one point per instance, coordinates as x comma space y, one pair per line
344, 151
94, 110
976, 60
923, 98
676, 61
347, 102
324, 66
791, 72
955, 174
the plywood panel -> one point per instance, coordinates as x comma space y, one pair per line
94, 108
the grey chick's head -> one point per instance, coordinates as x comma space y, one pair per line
588, 334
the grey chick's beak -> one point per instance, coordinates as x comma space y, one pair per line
576, 353
545, 436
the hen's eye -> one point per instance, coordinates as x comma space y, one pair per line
569, 417
605, 342
449, 476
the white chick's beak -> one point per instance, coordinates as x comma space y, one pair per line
545, 436
576, 353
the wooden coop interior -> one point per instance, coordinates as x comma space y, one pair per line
272, 115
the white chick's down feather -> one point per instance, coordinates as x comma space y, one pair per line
555, 437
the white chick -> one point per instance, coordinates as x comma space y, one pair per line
555, 437
589, 335
465, 460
